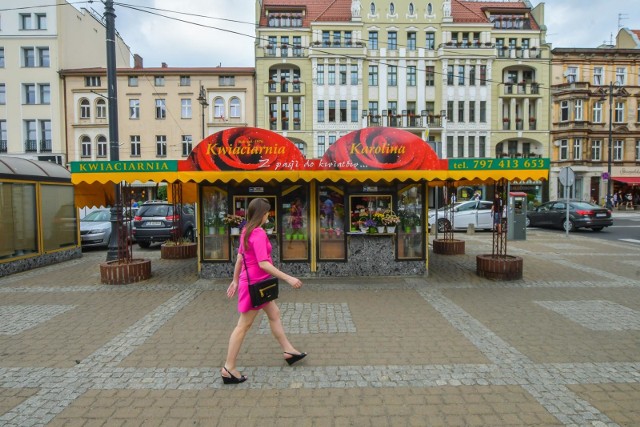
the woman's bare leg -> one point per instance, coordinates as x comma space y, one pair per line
235, 341
273, 314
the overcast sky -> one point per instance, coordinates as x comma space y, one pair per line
195, 42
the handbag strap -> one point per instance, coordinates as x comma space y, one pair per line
246, 269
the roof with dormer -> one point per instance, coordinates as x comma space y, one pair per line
313, 10
480, 11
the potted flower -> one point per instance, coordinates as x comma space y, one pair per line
269, 227
390, 220
378, 218
234, 222
370, 225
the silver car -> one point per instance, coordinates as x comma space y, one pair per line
95, 228
476, 212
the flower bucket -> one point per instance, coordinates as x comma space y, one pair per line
380, 229
235, 230
391, 228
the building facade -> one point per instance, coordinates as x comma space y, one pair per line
465, 76
163, 112
596, 118
37, 39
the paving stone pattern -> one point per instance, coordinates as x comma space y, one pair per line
557, 348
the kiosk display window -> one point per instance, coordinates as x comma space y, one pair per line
215, 231
295, 223
331, 228
410, 237
367, 211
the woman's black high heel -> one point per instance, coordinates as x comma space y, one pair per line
232, 379
294, 357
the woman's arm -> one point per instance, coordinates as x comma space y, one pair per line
231, 290
274, 271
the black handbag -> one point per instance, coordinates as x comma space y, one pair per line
263, 291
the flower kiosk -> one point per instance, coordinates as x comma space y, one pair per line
359, 210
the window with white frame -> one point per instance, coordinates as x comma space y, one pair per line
321, 146
3, 136
85, 146
637, 150
187, 145
621, 75
185, 108
598, 73
332, 74
572, 74
92, 81
411, 75
321, 112
460, 75
392, 78
85, 109
26, 23
133, 81
101, 146
234, 108
638, 113
563, 152
227, 80
101, 109
618, 114
44, 59
28, 57
343, 74
411, 39
134, 108
185, 80
1, 57
218, 108
577, 149
41, 21
618, 150
161, 109
392, 42
354, 74
596, 150
3, 94
44, 93
578, 110
158, 80
373, 75
135, 145
320, 74
564, 111
597, 112
161, 145
354, 111
430, 39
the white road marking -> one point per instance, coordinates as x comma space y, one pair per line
631, 240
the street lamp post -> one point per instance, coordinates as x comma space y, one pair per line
202, 99
610, 146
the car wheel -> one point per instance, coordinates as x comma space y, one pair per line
188, 234
528, 222
597, 228
568, 226
144, 244
444, 225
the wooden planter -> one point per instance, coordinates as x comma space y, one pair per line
496, 267
123, 273
448, 247
182, 251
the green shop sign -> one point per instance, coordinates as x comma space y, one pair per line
125, 166
498, 164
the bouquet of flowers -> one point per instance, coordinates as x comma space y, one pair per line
370, 223
390, 218
378, 217
233, 220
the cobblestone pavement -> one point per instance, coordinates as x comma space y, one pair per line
559, 347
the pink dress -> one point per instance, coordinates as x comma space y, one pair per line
259, 250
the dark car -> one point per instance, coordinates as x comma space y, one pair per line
581, 215
157, 222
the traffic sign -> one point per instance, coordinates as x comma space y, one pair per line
567, 176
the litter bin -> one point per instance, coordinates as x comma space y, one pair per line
517, 216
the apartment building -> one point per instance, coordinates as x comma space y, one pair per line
37, 39
596, 117
466, 76
163, 112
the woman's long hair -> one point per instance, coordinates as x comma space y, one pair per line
257, 208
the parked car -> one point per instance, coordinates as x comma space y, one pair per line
476, 212
581, 215
95, 228
156, 222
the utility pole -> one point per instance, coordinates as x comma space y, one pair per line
116, 209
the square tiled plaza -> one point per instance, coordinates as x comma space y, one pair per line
559, 347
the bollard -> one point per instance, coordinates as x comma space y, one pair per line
471, 229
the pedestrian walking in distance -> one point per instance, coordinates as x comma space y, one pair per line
255, 252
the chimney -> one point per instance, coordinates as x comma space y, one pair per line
164, 65
137, 61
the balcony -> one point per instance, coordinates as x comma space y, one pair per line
45, 146
406, 121
475, 44
31, 146
522, 88
285, 86
505, 52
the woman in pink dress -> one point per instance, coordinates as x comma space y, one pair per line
255, 248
